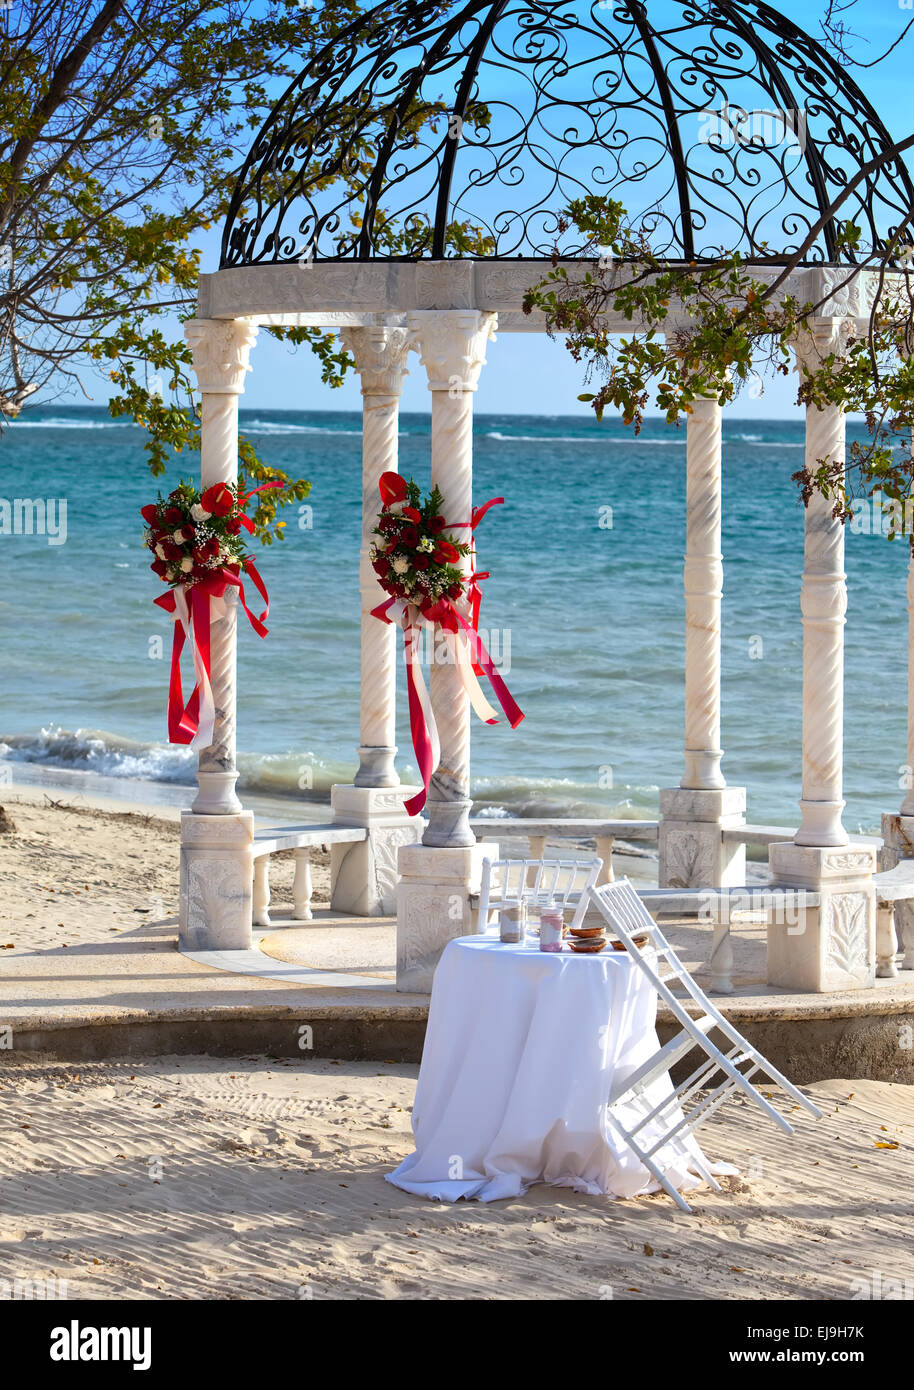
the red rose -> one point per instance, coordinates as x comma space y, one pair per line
392, 487
185, 533
233, 525
446, 554
388, 523
208, 551
410, 537
455, 591
218, 499
150, 514
172, 515
380, 567
411, 513
160, 568
172, 551
437, 524
420, 562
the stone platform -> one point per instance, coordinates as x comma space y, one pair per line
328, 989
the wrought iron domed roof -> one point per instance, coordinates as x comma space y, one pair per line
429, 130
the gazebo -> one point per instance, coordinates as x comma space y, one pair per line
406, 190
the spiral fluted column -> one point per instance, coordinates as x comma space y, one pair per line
221, 351
380, 357
832, 944
452, 345
823, 602
696, 814
704, 579
898, 828
907, 806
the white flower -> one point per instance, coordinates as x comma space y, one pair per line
400, 564
178, 536
426, 543
200, 513
187, 564
160, 552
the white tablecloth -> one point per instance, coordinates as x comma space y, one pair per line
521, 1052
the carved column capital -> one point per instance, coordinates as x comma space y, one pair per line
221, 349
452, 346
818, 339
380, 357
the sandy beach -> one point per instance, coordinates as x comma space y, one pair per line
200, 1178
77, 868
260, 1178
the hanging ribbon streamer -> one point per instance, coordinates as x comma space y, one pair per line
194, 607
470, 658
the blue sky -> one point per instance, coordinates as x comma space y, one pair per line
526, 373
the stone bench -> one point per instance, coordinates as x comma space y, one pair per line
604, 832
718, 905
893, 886
300, 839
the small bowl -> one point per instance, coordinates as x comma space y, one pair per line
639, 941
589, 947
586, 933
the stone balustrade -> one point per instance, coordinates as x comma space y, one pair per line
300, 839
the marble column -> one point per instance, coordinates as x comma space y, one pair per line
380, 357
693, 853
439, 877
363, 875
833, 945
898, 829
216, 834
452, 346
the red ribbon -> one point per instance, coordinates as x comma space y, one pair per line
184, 720
447, 616
245, 520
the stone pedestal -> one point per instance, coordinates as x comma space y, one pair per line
433, 906
898, 838
363, 875
693, 853
831, 946
217, 872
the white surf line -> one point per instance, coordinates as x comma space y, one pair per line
254, 962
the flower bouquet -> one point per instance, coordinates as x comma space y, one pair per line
427, 575
412, 558
193, 534
199, 551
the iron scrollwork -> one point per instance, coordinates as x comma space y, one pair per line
430, 131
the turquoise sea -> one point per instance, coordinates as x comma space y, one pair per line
587, 616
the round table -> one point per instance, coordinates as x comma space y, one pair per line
522, 1051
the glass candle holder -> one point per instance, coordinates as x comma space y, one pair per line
552, 925
511, 923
